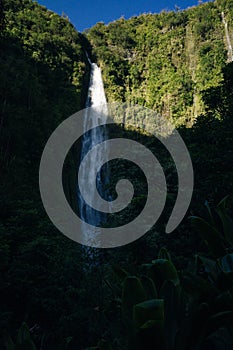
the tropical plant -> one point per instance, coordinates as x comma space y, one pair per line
186, 310
24, 340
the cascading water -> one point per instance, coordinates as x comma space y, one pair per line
229, 46
96, 99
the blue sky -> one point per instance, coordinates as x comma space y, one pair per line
85, 13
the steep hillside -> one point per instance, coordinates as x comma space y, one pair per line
166, 61
42, 75
43, 81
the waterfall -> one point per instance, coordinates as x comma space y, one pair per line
229, 46
97, 100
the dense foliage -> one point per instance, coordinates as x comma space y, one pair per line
43, 77
164, 61
55, 294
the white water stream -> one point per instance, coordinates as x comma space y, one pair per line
97, 100
229, 46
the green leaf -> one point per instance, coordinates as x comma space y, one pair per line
219, 320
24, 341
104, 345
149, 336
148, 310
23, 334
222, 339
65, 344
132, 293
226, 263
223, 302
149, 287
163, 270
197, 286
151, 324
208, 266
226, 266
172, 299
164, 254
227, 222
8, 342
210, 215
210, 235
119, 272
